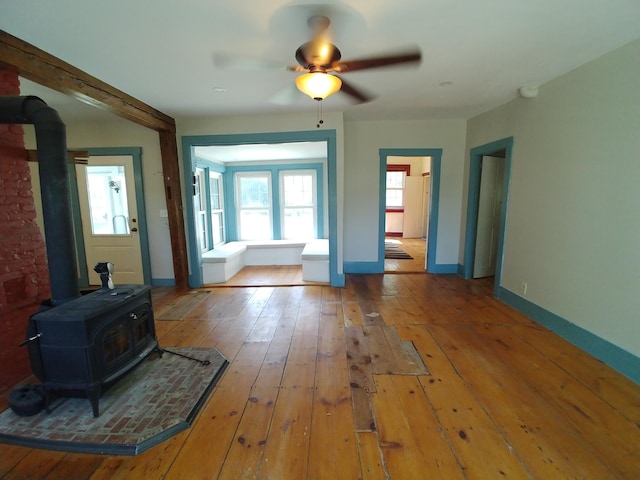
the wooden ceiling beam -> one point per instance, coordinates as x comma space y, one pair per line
41, 67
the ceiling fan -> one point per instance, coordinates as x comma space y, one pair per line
320, 62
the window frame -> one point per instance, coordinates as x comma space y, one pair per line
282, 173
237, 177
406, 169
219, 178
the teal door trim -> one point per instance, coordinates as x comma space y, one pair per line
188, 157
475, 167
434, 200
136, 154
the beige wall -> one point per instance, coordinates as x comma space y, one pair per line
363, 141
573, 224
572, 227
116, 132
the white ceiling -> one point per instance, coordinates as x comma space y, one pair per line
260, 152
475, 53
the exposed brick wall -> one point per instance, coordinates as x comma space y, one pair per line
24, 274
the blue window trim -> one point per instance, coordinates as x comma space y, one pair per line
188, 158
275, 171
434, 201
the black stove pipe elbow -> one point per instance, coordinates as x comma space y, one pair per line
54, 186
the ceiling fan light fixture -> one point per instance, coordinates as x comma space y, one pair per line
318, 85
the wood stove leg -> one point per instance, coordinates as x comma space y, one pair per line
94, 397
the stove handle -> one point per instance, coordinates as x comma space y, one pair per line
30, 339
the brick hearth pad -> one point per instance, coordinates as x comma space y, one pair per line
155, 401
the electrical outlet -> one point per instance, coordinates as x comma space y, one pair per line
523, 288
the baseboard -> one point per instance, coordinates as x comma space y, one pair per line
444, 268
361, 267
624, 362
163, 282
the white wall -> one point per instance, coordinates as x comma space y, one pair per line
363, 141
573, 224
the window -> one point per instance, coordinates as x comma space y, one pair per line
253, 200
107, 188
395, 189
298, 204
396, 175
217, 208
200, 208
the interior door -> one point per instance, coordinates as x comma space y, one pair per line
490, 198
109, 213
426, 188
413, 218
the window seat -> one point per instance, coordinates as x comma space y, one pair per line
222, 263
273, 252
315, 261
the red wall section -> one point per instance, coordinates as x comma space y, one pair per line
24, 274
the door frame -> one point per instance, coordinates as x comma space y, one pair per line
136, 154
336, 276
434, 201
475, 164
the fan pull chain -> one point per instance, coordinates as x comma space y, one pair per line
320, 121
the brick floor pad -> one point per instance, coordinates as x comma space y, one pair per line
158, 399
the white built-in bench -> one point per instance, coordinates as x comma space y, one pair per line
315, 261
273, 252
222, 263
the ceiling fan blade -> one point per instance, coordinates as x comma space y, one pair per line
286, 96
222, 60
413, 56
355, 93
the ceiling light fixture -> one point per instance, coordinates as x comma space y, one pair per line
318, 85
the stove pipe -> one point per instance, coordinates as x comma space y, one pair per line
54, 186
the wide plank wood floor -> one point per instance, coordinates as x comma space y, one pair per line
404, 376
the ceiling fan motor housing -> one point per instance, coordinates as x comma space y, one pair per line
318, 55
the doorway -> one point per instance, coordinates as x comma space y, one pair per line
190, 143
406, 214
486, 223
110, 217
431, 208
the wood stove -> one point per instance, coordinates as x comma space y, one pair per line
82, 343
83, 346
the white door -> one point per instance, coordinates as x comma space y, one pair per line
489, 202
109, 214
426, 188
412, 221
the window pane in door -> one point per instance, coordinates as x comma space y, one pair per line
107, 192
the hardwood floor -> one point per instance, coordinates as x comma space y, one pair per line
310, 393
281, 275
416, 247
